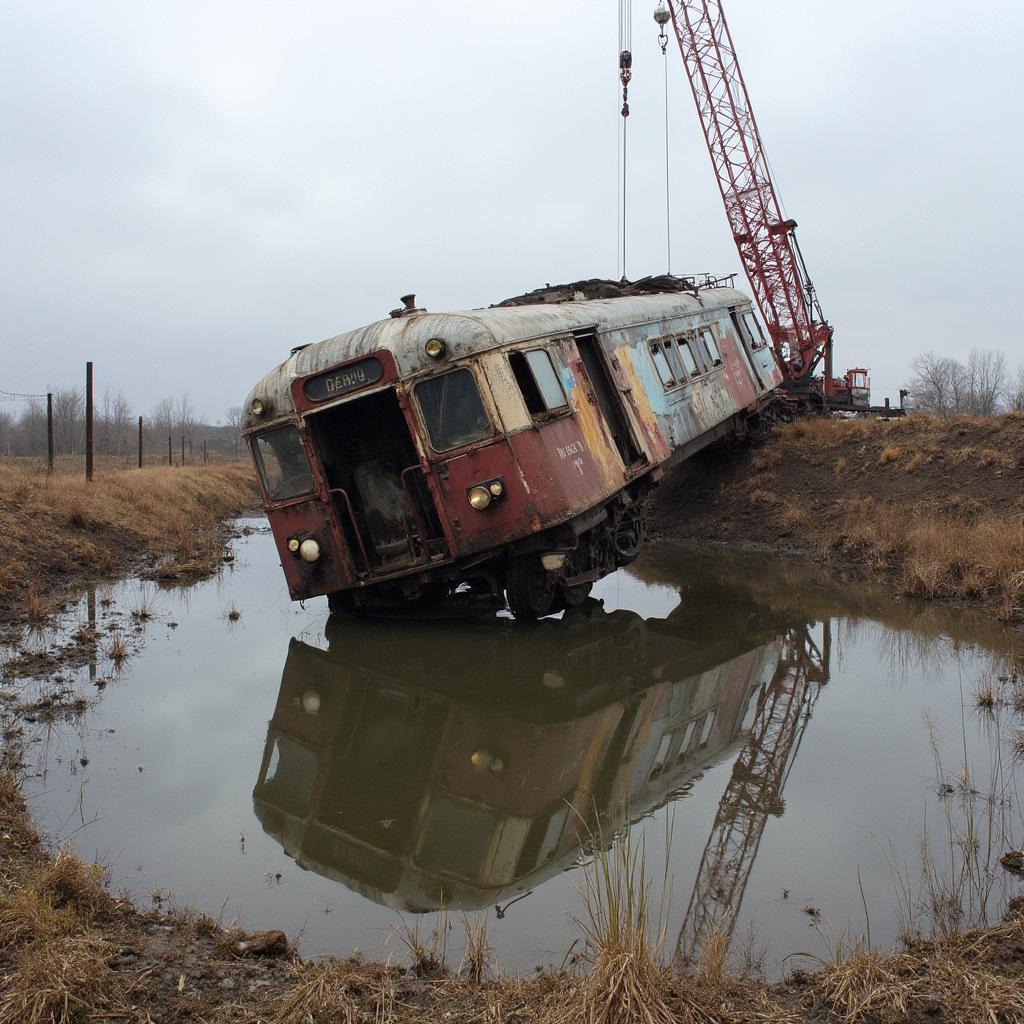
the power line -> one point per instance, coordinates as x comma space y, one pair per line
16, 396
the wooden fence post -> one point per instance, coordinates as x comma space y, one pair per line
49, 433
140, 442
170, 456
88, 421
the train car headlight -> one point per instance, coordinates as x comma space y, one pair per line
258, 407
497, 488
309, 550
435, 348
479, 497
293, 544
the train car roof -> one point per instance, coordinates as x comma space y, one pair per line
471, 332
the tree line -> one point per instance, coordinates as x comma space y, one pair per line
982, 385
115, 424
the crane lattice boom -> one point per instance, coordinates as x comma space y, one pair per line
765, 240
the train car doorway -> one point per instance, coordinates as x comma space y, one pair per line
375, 481
608, 399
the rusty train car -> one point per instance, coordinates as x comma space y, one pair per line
435, 457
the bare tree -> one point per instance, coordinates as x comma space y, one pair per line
161, 419
236, 418
986, 376
7, 431
1015, 392
68, 422
935, 384
185, 421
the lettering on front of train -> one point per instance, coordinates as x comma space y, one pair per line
521, 469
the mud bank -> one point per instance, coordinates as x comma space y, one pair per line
936, 506
168, 523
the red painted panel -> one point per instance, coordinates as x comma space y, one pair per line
332, 571
550, 473
303, 404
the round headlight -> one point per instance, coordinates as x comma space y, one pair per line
293, 544
496, 489
434, 348
309, 550
479, 497
257, 407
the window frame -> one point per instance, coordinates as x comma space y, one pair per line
705, 334
684, 341
425, 423
656, 349
757, 341
548, 412
261, 469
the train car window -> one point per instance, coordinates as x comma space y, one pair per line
538, 381
711, 346
452, 410
687, 357
282, 462
757, 338
676, 364
661, 365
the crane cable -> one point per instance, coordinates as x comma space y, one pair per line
661, 17
625, 75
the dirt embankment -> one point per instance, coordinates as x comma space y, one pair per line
59, 530
936, 505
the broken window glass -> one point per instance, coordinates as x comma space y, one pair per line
661, 365
452, 410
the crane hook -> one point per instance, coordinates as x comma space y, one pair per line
661, 16
625, 76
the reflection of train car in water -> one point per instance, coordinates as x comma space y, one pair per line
504, 450
412, 766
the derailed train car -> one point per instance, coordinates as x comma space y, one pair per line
507, 450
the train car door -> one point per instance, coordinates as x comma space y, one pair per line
607, 397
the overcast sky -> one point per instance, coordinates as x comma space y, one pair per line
191, 189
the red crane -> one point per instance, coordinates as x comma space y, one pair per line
766, 240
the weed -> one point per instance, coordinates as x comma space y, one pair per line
840, 467
626, 981
761, 496
890, 453
232, 614
476, 953
36, 610
985, 696
915, 461
118, 651
428, 951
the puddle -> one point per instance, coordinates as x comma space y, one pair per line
795, 739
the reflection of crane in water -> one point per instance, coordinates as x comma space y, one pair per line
754, 790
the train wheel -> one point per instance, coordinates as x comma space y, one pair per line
530, 588
630, 532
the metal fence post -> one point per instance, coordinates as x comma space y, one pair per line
170, 456
140, 442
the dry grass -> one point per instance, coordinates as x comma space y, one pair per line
627, 983
940, 556
953, 979
64, 980
762, 496
338, 992
476, 953
117, 650
915, 461
166, 515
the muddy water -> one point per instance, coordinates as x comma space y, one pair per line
788, 742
